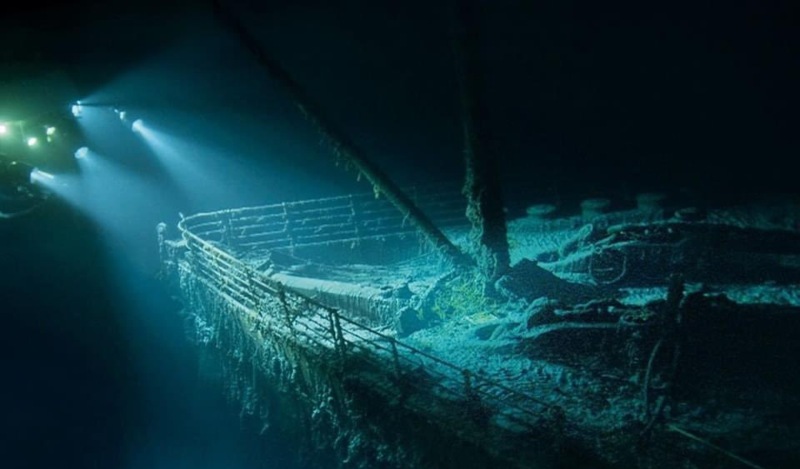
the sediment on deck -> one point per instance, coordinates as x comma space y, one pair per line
357, 388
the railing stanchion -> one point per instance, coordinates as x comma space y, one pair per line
468, 390
338, 330
396, 358
333, 330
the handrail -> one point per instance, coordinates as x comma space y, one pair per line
352, 334
322, 325
341, 340
362, 211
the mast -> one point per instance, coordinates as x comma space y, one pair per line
482, 182
341, 145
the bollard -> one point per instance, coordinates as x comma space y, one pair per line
541, 212
650, 201
592, 208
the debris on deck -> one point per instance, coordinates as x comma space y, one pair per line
646, 338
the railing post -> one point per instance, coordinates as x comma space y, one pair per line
339, 344
286, 313
253, 291
228, 230
338, 327
354, 217
396, 358
161, 230
288, 227
468, 390
333, 330
475, 409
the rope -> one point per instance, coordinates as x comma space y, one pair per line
696, 438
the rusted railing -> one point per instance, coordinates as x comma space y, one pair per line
266, 302
344, 219
212, 241
251, 290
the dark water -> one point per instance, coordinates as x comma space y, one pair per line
96, 371
584, 101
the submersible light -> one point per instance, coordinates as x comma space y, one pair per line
32, 141
3, 129
77, 109
81, 153
51, 131
39, 175
137, 125
22, 188
16, 174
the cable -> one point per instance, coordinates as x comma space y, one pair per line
696, 438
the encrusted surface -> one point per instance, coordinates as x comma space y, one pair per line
594, 356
